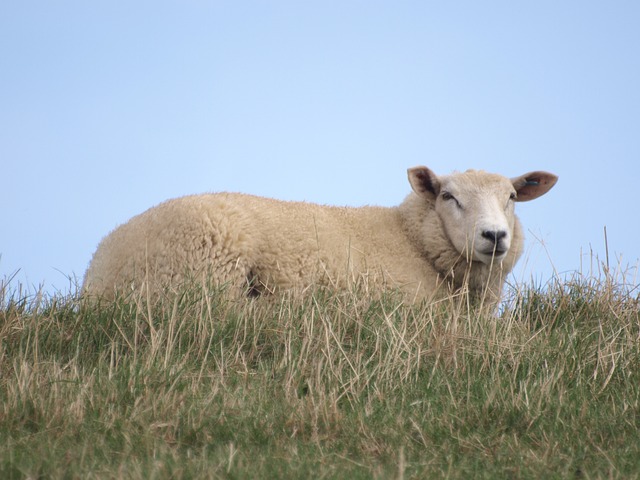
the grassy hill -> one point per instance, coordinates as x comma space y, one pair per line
329, 385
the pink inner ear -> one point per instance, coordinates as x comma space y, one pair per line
424, 180
534, 185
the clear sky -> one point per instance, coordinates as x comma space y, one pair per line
108, 108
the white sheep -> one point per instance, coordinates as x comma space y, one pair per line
451, 233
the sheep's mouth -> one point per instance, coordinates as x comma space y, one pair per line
495, 252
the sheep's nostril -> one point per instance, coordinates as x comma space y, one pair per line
494, 235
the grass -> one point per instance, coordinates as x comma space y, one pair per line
328, 385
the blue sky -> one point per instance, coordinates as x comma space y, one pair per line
108, 108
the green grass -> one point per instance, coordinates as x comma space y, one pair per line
329, 385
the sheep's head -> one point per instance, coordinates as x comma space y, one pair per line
477, 208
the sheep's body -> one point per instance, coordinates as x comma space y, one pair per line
255, 245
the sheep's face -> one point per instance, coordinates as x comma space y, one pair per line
477, 208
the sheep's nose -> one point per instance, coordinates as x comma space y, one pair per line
494, 235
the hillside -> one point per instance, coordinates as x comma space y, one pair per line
329, 385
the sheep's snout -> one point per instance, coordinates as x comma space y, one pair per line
494, 244
496, 237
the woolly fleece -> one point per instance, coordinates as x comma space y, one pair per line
256, 245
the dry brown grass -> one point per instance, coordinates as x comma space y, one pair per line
322, 385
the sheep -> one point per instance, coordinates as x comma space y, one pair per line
452, 233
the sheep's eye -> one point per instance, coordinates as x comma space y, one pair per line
447, 196
512, 198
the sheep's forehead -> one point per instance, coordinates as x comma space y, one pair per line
477, 184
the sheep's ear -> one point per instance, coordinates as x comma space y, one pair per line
533, 185
424, 182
